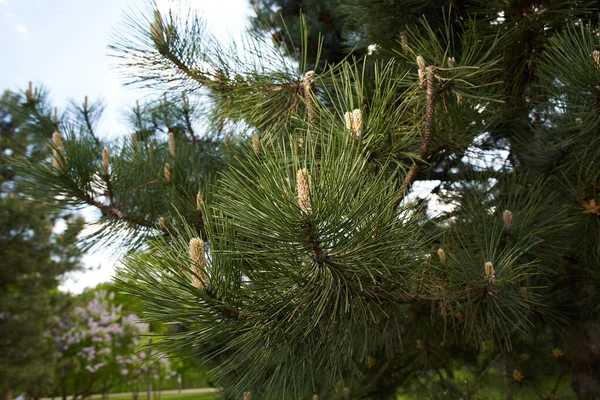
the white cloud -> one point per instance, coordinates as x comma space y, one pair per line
3, 2
21, 28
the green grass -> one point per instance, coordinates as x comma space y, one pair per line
176, 396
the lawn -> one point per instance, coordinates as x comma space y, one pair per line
491, 392
176, 396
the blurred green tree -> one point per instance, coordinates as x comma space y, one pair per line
35, 251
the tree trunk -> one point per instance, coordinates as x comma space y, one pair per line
7, 395
583, 353
63, 381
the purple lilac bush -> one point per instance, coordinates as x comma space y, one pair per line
100, 347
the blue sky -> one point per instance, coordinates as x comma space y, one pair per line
62, 44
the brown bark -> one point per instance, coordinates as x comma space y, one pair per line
64, 387
585, 360
427, 137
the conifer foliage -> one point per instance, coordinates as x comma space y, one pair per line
422, 219
34, 256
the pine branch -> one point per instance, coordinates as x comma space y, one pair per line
88, 122
379, 373
106, 176
188, 121
557, 383
482, 374
192, 199
151, 182
113, 211
460, 176
318, 254
43, 120
428, 134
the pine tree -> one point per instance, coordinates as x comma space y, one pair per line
422, 219
32, 257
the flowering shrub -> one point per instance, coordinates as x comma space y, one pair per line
99, 346
143, 367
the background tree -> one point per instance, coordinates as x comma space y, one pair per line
319, 261
33, 257
100, 346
